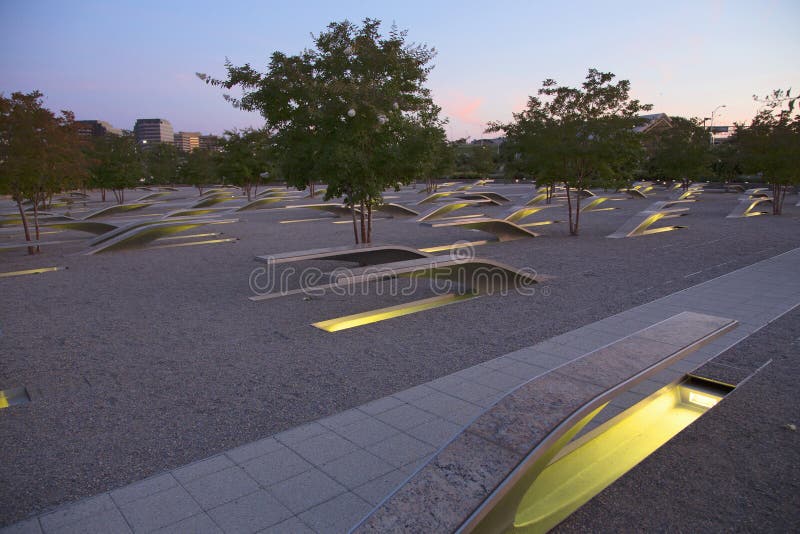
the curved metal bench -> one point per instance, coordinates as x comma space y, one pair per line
440, 211
497, 198
503, 230
478, 479
640, 223
368, 254
396, 210
142, 233
338, 210
121, 208
747, 207
474, 274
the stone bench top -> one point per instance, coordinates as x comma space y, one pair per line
366, 254
459, 486
502, 229
461, 269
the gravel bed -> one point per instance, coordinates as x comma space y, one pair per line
144, 360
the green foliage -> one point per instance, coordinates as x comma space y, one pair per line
476, 161
245, 155
40, 153
199, 168
679, 153
350, 112
583, 137
161, 162
116, 164
771, 144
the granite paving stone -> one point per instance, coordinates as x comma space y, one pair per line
197, 524
202, 468
221, 487
323, 448
336, 515
306, 490
356, 468
160, 509
275, 467
400, 449
250, 513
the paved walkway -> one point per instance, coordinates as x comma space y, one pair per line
326, 475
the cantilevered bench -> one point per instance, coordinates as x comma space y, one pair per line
440, 211
640, 224
368, 254
476, 482
502, 229
474, 274
497, 198
747, 207
139, 235
338, 210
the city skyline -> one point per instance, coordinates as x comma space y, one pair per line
118, 63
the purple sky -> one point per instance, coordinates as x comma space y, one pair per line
122, 60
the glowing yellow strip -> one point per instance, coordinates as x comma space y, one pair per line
208, 242
351, 222
3, 400
30, 271
374, 316
172, 238
304, 220
454, 246
540, 223
590, 464
459, 217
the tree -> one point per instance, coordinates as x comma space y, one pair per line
474, 160
116, 164
583, 137
40, 154
244, 157
771, 144
678, 153
343, 112
199, 168
161, 162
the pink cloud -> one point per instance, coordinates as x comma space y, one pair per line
462, 108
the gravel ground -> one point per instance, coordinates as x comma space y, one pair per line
144, 360
734, 470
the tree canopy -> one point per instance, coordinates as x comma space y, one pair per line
40, 153
678, 153
582, 137
771, 144
348, 112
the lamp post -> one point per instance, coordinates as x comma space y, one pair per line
711, 128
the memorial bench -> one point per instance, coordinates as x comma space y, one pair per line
476, 482
366, 254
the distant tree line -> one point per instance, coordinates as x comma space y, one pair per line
353, 113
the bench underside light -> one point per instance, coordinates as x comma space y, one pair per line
583, 468
382, 314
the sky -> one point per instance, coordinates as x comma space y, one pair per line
121, 60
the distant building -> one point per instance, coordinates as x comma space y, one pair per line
94, 128
655, 122
187, 141
210, 142
153, 131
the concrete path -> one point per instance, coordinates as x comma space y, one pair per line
326, 475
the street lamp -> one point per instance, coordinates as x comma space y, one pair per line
711, 128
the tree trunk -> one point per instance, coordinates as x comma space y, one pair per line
369, 222
573, 228
778, 194
355, 226
200, 189
31, 250
311, 191
363, 224
36, 198
102, 194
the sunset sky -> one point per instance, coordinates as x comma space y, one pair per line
119, 61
